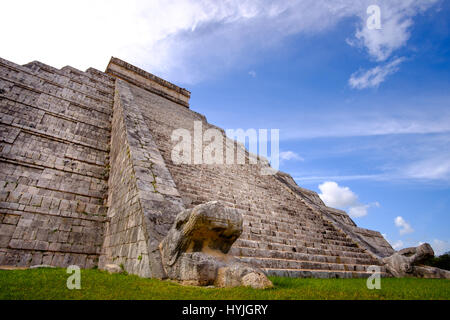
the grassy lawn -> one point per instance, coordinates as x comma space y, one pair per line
51, 284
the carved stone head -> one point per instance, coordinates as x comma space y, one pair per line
403, 262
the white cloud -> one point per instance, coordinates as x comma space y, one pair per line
290, 155
182, 40
435, 168
252, 73
358, 211
396, 23
336, 196
440, 247
341, 178
373, 77
397, 245
419, 119
405, 227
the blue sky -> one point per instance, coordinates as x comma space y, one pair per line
364, 115
383, 143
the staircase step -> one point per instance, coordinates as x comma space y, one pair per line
321, 274
301, 249
297, 228
288, 223
306, 236
278, 254
303, 265
298, 243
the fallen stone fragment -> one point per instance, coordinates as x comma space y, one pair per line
113, 268
408, 263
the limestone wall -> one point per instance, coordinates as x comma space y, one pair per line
54, 145
124, 243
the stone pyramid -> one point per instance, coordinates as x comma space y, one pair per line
87, 178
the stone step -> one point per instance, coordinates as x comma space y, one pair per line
60, 127
298, 243
34, 83
79, 80
321, 274
282, 247
278, 254
301, 225
304, 265
32, 110
277, 222
323, 237
287, 222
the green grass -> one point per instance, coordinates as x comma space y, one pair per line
42, 284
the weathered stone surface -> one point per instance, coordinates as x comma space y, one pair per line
42, 266
113, 268
54, 138
195, 249
140, 212
256, 280
407, 263
141, 78
431, 272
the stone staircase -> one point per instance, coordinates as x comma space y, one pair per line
287, 247
282, 234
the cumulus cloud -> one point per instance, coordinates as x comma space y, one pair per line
395, 31
336, 196
405, 227
290, 155
397, 245
372, 78
396, 23
358, 211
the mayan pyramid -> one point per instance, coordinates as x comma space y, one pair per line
87, 179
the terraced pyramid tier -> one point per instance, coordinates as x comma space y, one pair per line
55, 134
